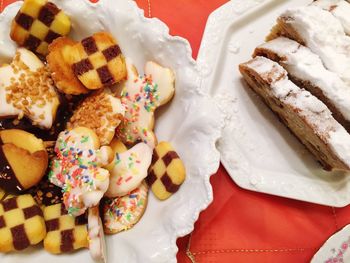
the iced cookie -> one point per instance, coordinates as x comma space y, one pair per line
23, 160
46, 193
101, 112
21, 223
37, 24
65, 233
167, 171
97, 243
97, 61
62, 72
130, 168
121, 213
26, 89
117, 147
141, 95
77, 169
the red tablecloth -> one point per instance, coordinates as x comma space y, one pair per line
243, 226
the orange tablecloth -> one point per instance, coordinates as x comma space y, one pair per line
243, 226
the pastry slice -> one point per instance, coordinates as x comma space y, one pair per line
320, 31
307, 70
339, 8
306, 116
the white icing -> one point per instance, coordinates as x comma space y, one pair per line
315, 112
130, 168
303, 64
97, 243
339, 8
41, 115
324, 35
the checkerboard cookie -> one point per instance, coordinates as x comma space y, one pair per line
37, 24
101, 112
97, 61
167, 171
62, 72
65, 233
2, 194
21, 223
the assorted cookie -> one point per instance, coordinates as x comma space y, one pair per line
21, 223
76, 137
65, 233
167, 171
37, 24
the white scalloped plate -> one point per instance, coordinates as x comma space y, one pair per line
192, 122
335, 249
258, 152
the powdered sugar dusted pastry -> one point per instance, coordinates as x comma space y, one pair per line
26, 89
77, 169
321, 32
97, 244
122, 213
130, 168
307, 70
141, 96
306, 116
339, 8
101, 112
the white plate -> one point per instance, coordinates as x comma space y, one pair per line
335, 249
191, 122
257, 150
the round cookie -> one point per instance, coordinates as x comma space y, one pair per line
124, 212
77, 169
97, 243
129, 170
23, 160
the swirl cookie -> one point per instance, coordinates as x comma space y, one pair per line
37, 24
167, 171
62, 72
97, 61
141, 95
97, 243
23, 160
21, 223
76, 168
122, 213
129, 170
101, 112
26, 89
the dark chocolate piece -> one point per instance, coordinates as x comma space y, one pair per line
20, 240
169, 157
82, 67
2, 222
47, 13
51, 36
32, 211
52, 225
168, 183
24, 20
67, 240
32, 42
111, 52
105, 75
151, 178
89, 45
10, 204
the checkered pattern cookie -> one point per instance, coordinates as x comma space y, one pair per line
37, 24
167, 171
2, 194
97, 61
65, 233
21, 223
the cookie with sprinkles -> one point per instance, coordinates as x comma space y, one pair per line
142, 95
77, 169
124, 212
101, 112
129, 170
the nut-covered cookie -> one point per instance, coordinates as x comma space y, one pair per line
65, 233
37, 24
77, 169
167, 171
97, 61
23, 160
121, 213
62, 72
46, 193
101, 112
21, 223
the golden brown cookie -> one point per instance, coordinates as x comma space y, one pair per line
65, 233
167, 171
2, 194
37, 24
62, 72
23, 160
21, 223
97, 61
